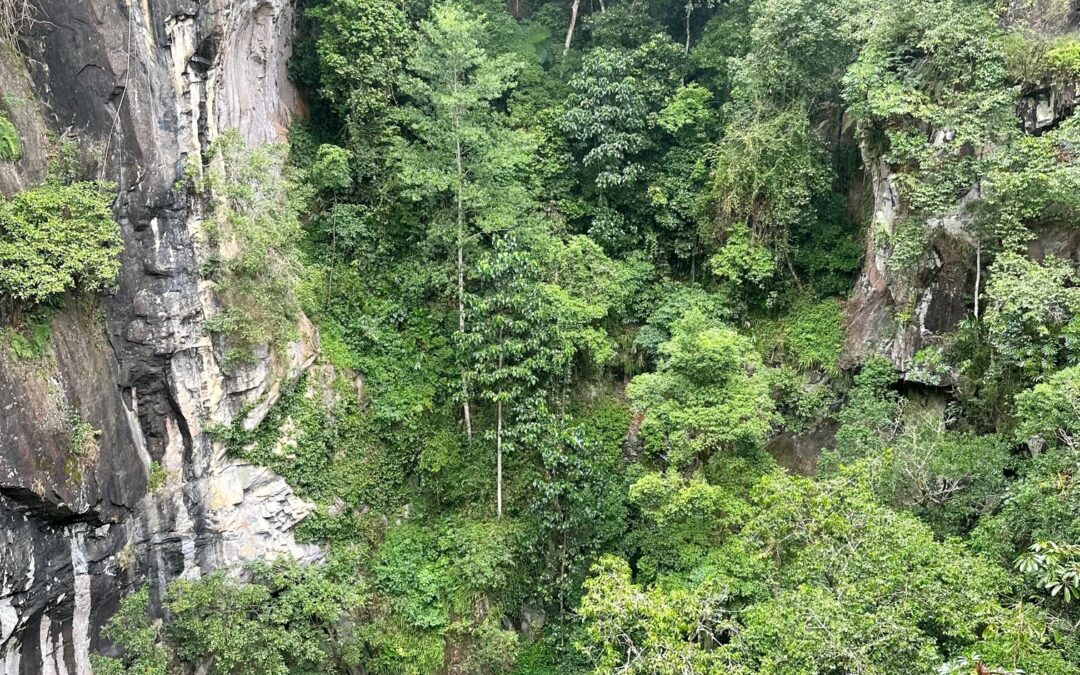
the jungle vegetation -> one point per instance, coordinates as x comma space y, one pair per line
575, 267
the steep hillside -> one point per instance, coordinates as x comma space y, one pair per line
539, 337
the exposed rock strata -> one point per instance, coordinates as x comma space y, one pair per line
895, 313
142, 88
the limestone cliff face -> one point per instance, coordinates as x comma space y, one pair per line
141, 88
896, 313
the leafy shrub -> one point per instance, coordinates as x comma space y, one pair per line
1030, 306
709, 394
55, 239
9, 140
157, 477
1063, 59
1048, 410
810, 335
285, 622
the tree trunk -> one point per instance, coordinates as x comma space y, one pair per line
978, 275
333, 262
498, 457
689, 8
570, 30
461, 272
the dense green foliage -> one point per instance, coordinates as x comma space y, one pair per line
569, 304
253, 236
54, 239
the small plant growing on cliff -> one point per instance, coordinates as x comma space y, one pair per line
9, 140
157, 478
30, 340
252, 238
54, 239
83, 435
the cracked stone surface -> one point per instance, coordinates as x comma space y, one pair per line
141, 88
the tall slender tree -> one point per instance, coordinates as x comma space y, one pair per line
459, 155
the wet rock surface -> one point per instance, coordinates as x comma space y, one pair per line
141, 89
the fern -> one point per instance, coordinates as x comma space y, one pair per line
9, 140
29, 342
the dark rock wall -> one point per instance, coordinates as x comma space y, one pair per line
141, 89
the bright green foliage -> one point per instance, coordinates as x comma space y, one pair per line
452, 81
819, 577
284, 623
360, 49
649, 631
139, 634
1056, 566
443, 578
1030, 310
9, 140
319, 438
768, 171
253, 236
676, 300
611, 115
947, 478
578, 498
796, 48
525, 332
1050, 410
810, 335
710, 394
350, 52
1034, 181
55, 239
331, 172
681, 521
1041, 507
957, 84
606, 92
618, 270
1063, 59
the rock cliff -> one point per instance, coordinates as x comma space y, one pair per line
896, 313
141, 89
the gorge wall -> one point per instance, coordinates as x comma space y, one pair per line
140, 88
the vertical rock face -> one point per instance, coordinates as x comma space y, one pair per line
142, 87
895, 313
